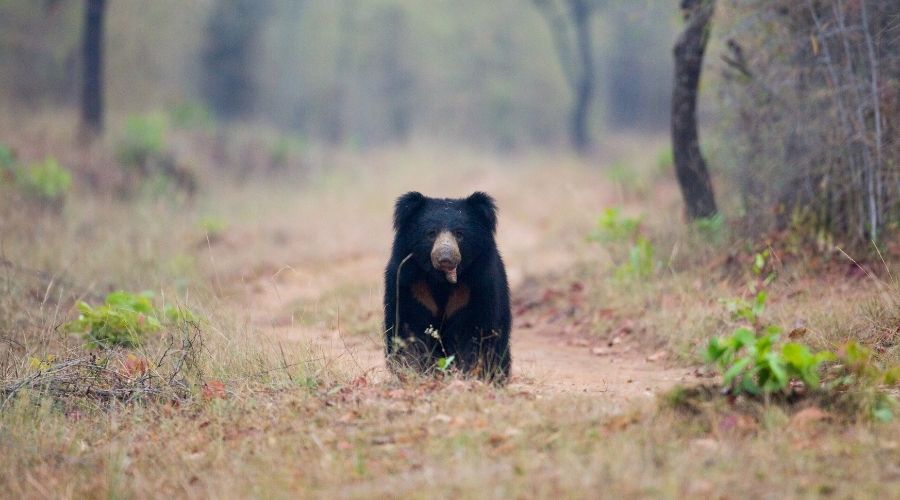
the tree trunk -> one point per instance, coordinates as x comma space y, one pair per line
584, 86
690, 167
339, 121
92, 78
230, 58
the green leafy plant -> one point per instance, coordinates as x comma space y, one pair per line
762, 263
443, 365
749, 311
665, 160
143, 140
860, 376
125, 319
752, 311
213, 226
151, 166
711, 229
751, 359
191, 115
7, 162
613, 226
179, 314
752, 363
46, 180
640, 263
286, 149
626, 177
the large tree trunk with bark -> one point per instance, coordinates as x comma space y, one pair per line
584, 87
92, 78
690, 167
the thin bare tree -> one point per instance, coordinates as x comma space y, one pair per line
690, 166
570, 26
92, 78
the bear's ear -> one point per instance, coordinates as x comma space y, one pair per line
483, 206
407, 206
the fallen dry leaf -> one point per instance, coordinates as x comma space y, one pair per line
396, 394
807, 416
797, 333
441, 418
458, 385
620, 422
624, 328
737, 423
458, 423
707, 444
657, 356
214, 389
134, 365
496, 439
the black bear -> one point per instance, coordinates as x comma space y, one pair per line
446, 293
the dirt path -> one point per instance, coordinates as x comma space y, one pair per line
545, 360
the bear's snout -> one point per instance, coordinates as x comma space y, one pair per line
445, 255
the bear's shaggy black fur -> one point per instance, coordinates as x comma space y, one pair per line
446, 287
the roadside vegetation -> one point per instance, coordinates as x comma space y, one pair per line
132, 365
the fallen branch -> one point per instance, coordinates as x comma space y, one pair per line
88, 376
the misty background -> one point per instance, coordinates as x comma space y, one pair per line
352, 72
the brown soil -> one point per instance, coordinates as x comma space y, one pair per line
548, 356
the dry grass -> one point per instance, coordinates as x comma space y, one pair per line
437, 440
290, 419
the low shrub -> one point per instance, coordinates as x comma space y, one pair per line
7, 161
143, 151
613, 226
191, 115
142, 140
753, 362
124, 320
46, 181
640, 263
213, 227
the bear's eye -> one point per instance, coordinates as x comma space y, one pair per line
458, 234
432, 234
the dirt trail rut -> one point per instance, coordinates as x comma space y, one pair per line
544, 359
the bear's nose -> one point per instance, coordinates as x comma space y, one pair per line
445, 254
445, 257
